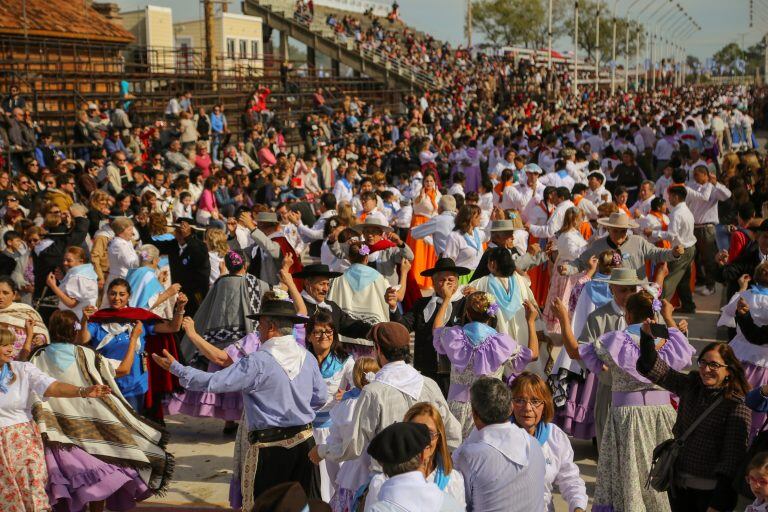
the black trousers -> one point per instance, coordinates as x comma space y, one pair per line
689, 500
279, 465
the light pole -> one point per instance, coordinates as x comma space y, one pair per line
613, 52
549, 36
597, 48
576, 48
626, 42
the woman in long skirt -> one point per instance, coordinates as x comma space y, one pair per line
424, 208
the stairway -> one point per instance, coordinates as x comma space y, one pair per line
279, 14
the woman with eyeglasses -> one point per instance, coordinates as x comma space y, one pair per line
533, 410
440, 468
336, 367
711, 456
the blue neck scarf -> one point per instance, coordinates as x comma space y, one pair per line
562, 173
86, 270
330, 366
477, 332
599, 291
359, 276
541, 433
441, 479
474, 241
61, 354
5, 377
346, 183
509, 301
759, 290
352, 393
634, 329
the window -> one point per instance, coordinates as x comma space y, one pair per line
243, 49
254, 49
230, 48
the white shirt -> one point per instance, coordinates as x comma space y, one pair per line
664, 149
456, 188
502, 465
653, 223
680, 229
517, 196
642, 206
85, 291
455, 487
410, 492
587, 208
555, 179
342, 192
596, 196
465, 250
121, 256
570, 245
16, 404
702, 201
554, 223
561, 470
662, 184
436, 231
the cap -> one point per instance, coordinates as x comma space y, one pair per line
390, 335
399, 442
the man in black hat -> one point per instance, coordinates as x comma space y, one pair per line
282, 387
401, 449
420, 319
187, 258
317, 281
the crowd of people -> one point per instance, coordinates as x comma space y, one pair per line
417, 311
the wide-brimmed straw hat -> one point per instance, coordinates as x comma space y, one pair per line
618, 220
624, 277
372, 222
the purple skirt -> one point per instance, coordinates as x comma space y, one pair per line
76, 478
577, 417
201, 404
756, 377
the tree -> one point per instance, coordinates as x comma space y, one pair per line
728, 55
510, 22
588, 32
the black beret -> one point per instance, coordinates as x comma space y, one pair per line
399, 442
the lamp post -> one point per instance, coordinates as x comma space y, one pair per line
597, 48
613, 52
576, 48
549, 36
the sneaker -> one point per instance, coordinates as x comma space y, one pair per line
700, 288
707, 291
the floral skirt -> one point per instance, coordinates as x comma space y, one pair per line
559, 286
22, 469
756, 376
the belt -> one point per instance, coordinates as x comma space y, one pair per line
704, 225
270, 435
633, 398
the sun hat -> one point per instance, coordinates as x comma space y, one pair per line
618, 220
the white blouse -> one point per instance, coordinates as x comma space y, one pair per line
85, 291
561, 470
570, 245
462, 252
455, 487
122, 257
16, 404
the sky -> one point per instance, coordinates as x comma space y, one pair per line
722, 21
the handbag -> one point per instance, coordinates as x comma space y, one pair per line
662, 473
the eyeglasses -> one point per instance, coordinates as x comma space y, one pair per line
12, 200
24, 182
55, 212
711, 365
434, 434
756, 481
522, 402
322, 334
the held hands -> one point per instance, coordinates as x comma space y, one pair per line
175, 288
534, 249
722, 258
188, 324
164, 361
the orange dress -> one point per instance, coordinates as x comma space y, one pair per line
539, 275
424, 256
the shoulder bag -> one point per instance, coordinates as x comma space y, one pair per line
662, 473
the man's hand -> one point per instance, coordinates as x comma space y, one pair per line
188, 324
390, 297
678, 251
742, 308
534, 249
164, 361
246, 219
314, 456
448, 288
394, 238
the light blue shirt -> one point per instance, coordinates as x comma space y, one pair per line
503, 470
439, 227
270, 398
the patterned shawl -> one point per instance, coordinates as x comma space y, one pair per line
106, 428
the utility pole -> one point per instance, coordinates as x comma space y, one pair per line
208, 23
549, 36
576, 48
597, 48
469, 25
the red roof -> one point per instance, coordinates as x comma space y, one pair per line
71, 19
